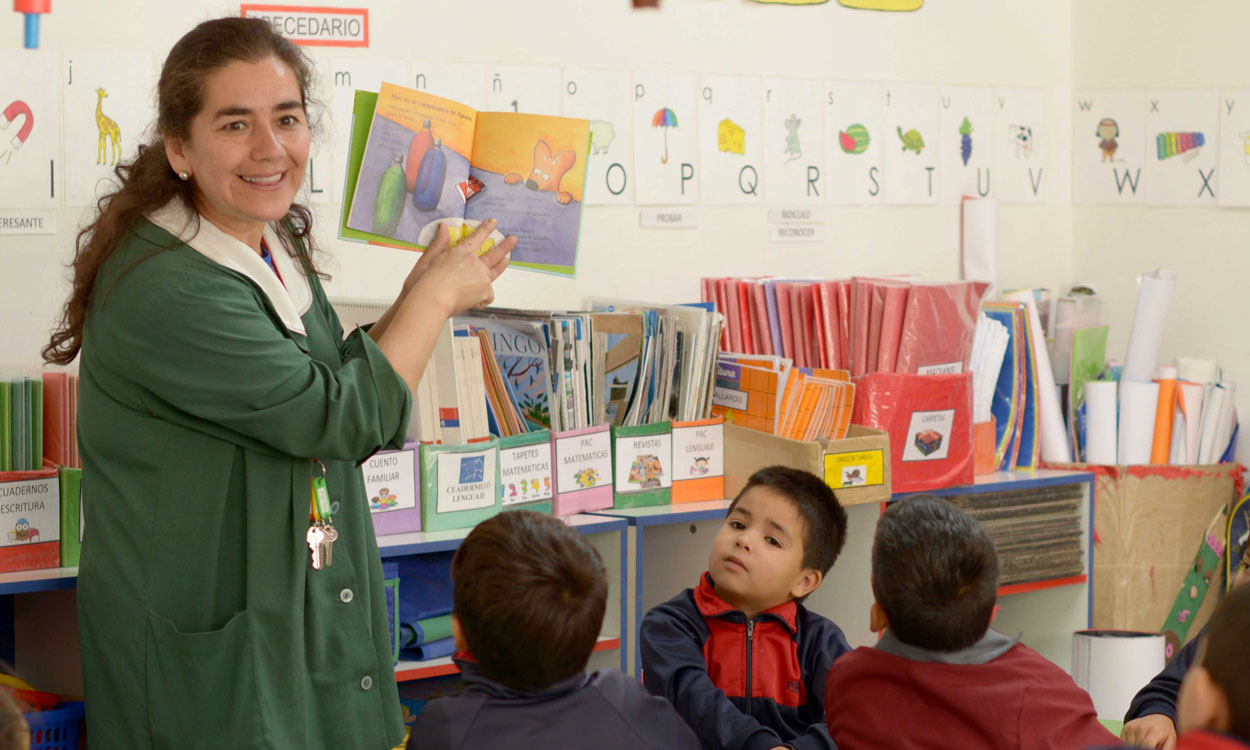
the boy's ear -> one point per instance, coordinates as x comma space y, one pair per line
877, 621
457, 635
807, 583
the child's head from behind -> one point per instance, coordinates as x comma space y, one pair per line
530, 594
1216, 691
934, 575
782, 535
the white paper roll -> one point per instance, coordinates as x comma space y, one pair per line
1153, 300
1190, 402
1112, 665
1100, 422
1138, 403
1055, 446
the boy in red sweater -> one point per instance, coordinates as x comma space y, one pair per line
1213, 710
940, 678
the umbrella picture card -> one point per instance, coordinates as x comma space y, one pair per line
731, 139
528, 89
965, 142
1182, 133
666, 147
1020, 142
910, 154
853, 142
794, 144
1234, 162
604, 98
1109, 146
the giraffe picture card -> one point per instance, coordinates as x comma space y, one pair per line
910, 162
1234, 162
965, 142
731, 139
853, 142
1109, 146
603, 98
1182, 133
108, 113
1019, 138
30, 130
666, 139
794, 141
526, 89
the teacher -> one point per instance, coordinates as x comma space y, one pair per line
216, 390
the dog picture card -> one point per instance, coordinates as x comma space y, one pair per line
853, 136
1109, 146
731, 139
965, 142
1182, 131
910, 154
1020, 169
794, 144
603, 98
666, 145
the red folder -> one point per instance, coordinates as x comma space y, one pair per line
892, 325
861, 308
844, 325
828, 294
759, 312
744, 316
874, 326
938, 326
729, 291
783, 314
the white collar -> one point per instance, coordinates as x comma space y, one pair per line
290, 301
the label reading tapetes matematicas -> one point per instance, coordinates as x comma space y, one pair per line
466, 481
390, 481
583, 462
30, 512
699, 451
644, 462
525, 473
928, 435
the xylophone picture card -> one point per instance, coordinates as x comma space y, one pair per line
1182, 133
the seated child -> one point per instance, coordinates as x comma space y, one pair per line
1213, 710
529, 599
739, 657
1151, 718
935, 581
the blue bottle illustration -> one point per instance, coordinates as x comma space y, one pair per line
430, 177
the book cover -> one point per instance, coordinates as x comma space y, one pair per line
522, 352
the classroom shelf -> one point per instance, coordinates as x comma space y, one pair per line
424, 542
1024, 588
410, 671
30, 581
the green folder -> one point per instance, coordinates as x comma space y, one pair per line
530, 476
19, 425
642, 465
36, 423
6, 427
469, 492
71, 516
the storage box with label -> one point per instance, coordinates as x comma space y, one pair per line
71, 516
459, 485
642, 465
698, 460
929, 420
525, 471
393, 486
856, 467
583, 470
30, 519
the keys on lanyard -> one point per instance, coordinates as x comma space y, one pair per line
321, 532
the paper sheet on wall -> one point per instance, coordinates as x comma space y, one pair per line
1182, 128
1234, 147
666, 145
1154, 299
1109, 146
346, 75
1101, 437
794, 144
979, 245
1020, 139
966, 119
910, 152
530, 89
731, 139
1138, 402
459, 81
854, 139
108, 108
603, 97
1055, 447
30, 143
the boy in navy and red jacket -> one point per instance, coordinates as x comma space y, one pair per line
529, 599
939, 677
739, 657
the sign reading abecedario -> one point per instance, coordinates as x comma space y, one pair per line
313, 26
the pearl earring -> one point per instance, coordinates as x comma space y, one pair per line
184, 176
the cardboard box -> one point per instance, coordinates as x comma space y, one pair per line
526, 478
1148, 523
30, 519
393, 486
699, 460
857, 468
642, 465
459, 485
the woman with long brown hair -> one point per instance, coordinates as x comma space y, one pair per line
219, 400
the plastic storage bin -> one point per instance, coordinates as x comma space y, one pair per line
57, 728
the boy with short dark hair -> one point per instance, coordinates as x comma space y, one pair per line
529, 599
739, 657
935, 581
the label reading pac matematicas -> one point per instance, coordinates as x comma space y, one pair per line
390, 481
30, 512
699, 451
929, 435
855, 469
525, 473
583, 462
466, 481
644, 462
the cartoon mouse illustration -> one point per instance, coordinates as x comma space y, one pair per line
547, 172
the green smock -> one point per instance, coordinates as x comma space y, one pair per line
203, 624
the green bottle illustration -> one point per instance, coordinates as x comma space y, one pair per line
388, 206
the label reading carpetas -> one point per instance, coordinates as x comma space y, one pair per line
466, 481
644, 462
855, 469
583, 462
390, 481
699, 451
525, 473
929, 435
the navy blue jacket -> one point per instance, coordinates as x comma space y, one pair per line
1159, 695
741, 685
606, 710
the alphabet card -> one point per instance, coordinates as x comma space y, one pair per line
108, 108
666, 139
1181, 150
966, 141
911, 157
1234, 163
854, 135
532, 89
1109, 146
794, 141
346, 76
602, 96
1019, 136
30, 130
463, 82
731, 139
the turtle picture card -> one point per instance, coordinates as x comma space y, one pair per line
1234, 161
854, 135
910, 158
965, 142
1182, 129
1109, 146
603, 98
666, 142
794, 148
731, 139
1020, 144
